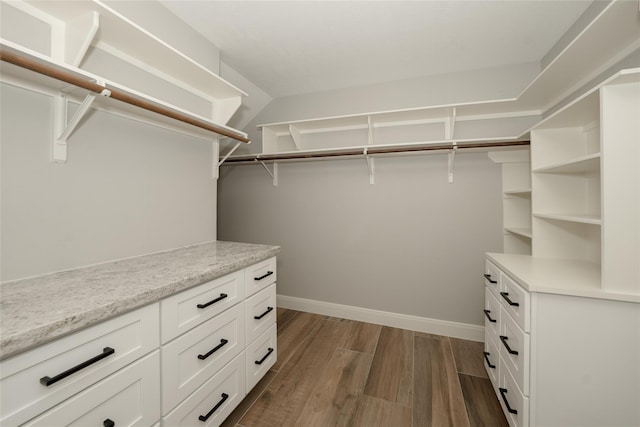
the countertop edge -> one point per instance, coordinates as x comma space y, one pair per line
12, 345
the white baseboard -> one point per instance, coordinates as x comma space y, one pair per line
396, 320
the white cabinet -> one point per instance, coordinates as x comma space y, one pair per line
39, 379
216, 345
585, 160
560, 359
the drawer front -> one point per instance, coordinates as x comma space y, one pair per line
513, 340
492, 313
261, 312
191, 359
261, 355
514, 405
260, 275
101, 349
130, 397
492, 361
190, 308
208, 406
516, 301
492, 277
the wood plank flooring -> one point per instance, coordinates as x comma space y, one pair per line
337, 372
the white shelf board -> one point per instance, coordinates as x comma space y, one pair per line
584, 219
525, 193
127, 37
520, 231
22, 77
584, 164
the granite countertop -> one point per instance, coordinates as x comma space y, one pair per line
37, 310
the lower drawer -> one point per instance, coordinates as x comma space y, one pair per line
514, 404
492, 361
261, 312
130, 397
261, 355
214, 401
37, 380
514, 350
189, 360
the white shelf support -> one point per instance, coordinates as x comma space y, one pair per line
215, 165
63, 129
274, 174
371, 165
370, 125
297, 137
450, 125
230, 152
452, 159
80, 33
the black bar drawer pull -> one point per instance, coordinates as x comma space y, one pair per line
486, 313
267, 274
213, 350
108, 423
503, 392
504, 341
107, 351
505, 295
263, 314
259, 362
213, 301
486, 357
488, 277
225, 396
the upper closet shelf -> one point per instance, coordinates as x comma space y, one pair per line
89, 53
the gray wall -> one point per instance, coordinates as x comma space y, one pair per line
127, 189
411, 243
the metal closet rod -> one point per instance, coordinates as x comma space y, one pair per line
371, 151
115, 94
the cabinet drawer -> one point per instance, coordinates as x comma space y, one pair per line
191, 359
514, 350
492, 277
516, 301
214, 401
514, 405
492, 361
261, 312
130, 397
101, 349
190, 308
261, 355
260, 275
492, 313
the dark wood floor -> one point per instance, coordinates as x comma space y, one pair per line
336, 372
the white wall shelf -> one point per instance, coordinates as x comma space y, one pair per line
524, 232
196, 100
583, 219
582, 165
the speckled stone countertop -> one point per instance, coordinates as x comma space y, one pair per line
37, 310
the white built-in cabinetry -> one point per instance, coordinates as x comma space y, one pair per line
554, 356
516, 199
92, 42
187, 360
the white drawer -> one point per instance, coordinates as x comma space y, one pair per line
190, 308
492, 277
492, 313
102, 349
261, 355
516, 301
514, 350
261, 312
260, 275
514, 405
130, 397
214, 401
189, 360
492, 361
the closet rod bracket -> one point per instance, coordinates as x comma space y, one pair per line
452, 159
371, 165
274, 174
